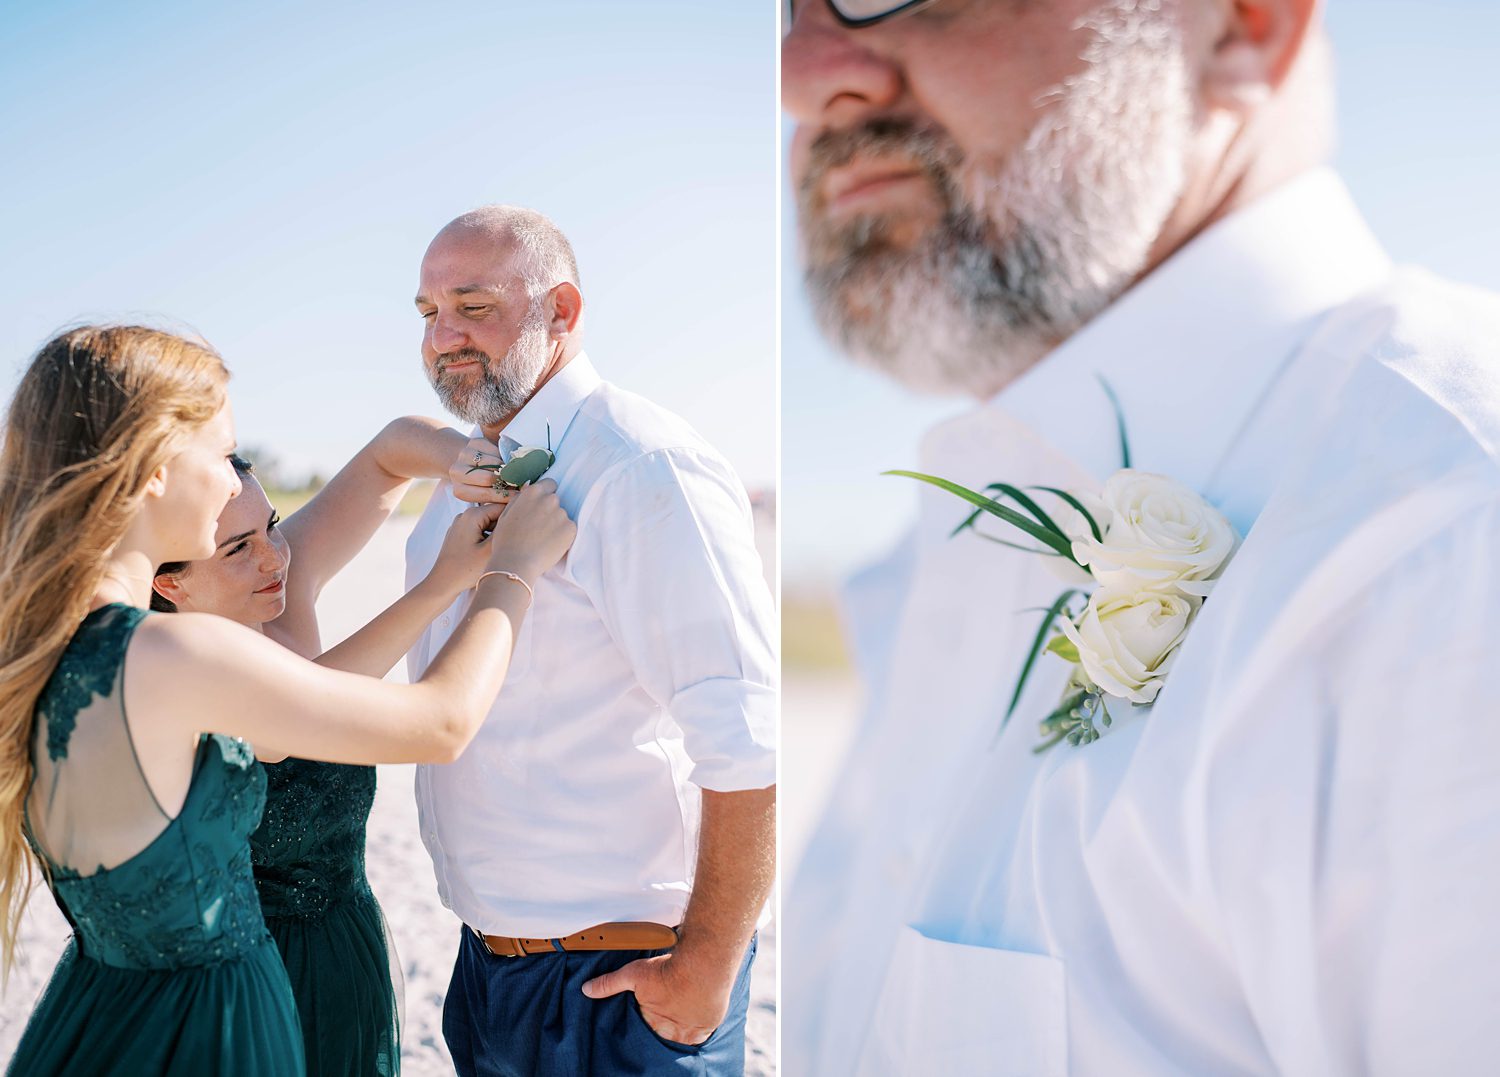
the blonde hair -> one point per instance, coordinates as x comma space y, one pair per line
98, 411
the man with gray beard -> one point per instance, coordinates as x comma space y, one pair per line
608, 838
1289, 861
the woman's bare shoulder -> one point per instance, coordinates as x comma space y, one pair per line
192, 637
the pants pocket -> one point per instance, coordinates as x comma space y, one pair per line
734, 1017
950, 1007
671, 1045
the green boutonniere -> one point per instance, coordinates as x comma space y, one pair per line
525, 466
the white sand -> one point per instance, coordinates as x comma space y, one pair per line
426, 934
817, 721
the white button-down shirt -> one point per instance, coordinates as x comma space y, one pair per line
1291, 863
645, 669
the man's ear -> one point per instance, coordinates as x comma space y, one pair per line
1256, 45
564, 308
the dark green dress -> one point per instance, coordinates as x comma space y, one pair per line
309, 857
170, 969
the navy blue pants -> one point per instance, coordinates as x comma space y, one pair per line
528, 1017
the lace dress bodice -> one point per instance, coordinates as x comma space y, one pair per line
183, 895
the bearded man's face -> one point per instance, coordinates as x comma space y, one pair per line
485, 343
979, 179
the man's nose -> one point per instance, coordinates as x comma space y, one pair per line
446, 337
832, 75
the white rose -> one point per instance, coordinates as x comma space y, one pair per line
1127, 640
1161, 534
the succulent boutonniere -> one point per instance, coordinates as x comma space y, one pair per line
1143, 553
526, 465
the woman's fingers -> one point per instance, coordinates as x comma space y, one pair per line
535, 531
470, 477
482, 518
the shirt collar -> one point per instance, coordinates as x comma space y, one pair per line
553, 406
1191, 348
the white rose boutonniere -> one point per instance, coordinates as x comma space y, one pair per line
1142, 555
1159, 532
1126, 641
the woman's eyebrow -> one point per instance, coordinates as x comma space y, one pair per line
234, 538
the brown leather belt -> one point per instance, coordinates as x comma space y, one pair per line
620, 936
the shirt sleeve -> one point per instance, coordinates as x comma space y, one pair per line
1357, 857
667, 554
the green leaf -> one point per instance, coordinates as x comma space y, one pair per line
1070, 499
1119, 420
1019, 498
526, 467
1064, 648
1054, 742
1046, 536
1036, 648
521, 469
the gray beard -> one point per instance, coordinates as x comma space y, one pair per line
1026, 252
502, 388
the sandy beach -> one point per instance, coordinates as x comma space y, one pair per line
425, 933
817, 722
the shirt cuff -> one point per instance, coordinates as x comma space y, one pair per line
729, 732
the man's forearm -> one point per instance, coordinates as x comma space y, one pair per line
736, 867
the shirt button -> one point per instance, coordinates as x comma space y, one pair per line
445, 621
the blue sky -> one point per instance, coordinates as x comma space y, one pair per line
1418, 83
270, 174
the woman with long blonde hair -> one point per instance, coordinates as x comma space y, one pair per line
125, 756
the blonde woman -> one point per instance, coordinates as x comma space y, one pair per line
123, 736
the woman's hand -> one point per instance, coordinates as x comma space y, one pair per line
476, 487
465, 551
532, 534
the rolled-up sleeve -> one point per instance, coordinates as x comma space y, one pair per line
667, 554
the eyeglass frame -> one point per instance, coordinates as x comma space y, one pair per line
869, 20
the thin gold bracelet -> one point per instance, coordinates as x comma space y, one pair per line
530, 594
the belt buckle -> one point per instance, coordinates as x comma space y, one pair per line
485, 942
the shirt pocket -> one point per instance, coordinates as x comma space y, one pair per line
949, 1007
